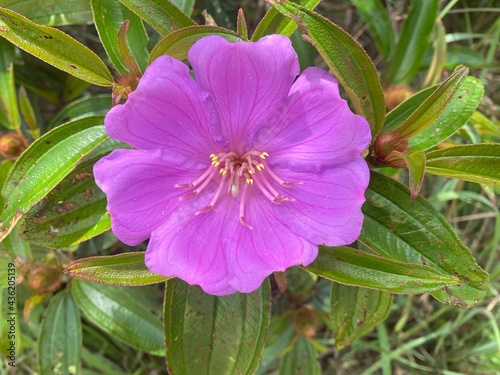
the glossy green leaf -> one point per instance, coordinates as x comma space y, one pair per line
124, 269
349, 266
356, 311
52, 12
12, 244
379, 23
412, 44
74, 211
231, 330
89, 106
453, 117
185, 5
116, 312
178, 43
108, 17
477, 163
433, 106
54, 47
60, 337
412, 231
8, 98
275, 23
345, 57
44, 164
301, 359
162, 15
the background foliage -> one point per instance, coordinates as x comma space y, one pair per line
393, 302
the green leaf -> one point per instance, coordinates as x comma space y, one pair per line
346, 58
349, 266
185, 5
274, 23
54, 47
453, 117
416, 169
123, 269
27, 110
116, 312
229, 330
44, 164
60, 337
74, 211
379, 23
96, 105
433, 106
12, 244
178, 43
301, 359
412, 231
477, 163
52, 12
355, 311
8, 98
241, 24
413, 42
439, 57
109, 15
162, 15
399, 114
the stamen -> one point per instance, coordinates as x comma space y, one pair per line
242, 207
279, 180
237, 173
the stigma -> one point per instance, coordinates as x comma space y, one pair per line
236, 174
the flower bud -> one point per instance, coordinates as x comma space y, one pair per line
305, 321
395, 95
12, 145
385, 144
45, 278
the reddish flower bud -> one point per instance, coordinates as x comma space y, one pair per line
45, 278
395, 95
305, 321
385, 144
12, 145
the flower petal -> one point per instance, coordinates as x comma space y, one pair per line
193, 247
247, 81
139, 185
214, 250
316, 129
167, 110
269, 247
327, 207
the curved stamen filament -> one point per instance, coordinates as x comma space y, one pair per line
242, 207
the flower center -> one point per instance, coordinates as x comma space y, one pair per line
238, 173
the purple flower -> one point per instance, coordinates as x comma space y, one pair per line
239, 173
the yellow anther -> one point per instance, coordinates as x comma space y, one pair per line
213, 156
215, 163
223, 171
263, 155
249, 181
260, 166
251, 171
